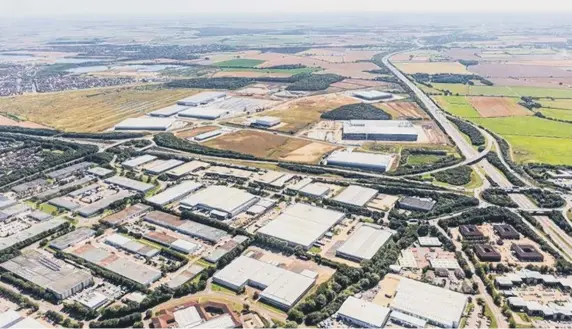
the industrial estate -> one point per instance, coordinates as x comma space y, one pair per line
285, 176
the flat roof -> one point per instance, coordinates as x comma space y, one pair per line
231, 172
32, 231
188, 227
364, 311
203, 97
175, 192
315, 189
187, 168
103, 203
364, 243
69, 170
24, 187
63, 202
402, 317
279, 285
72, 238
222, 198
163, 166
100, 171
203, 113
130, 183
84, 189
379, 127
76, 183
137, 161
356, 195
416, 202
371, 93
446, 263
126, 214
13, 319
343, 158
302, 224
169, 110
429, 241
145, 123
418, 298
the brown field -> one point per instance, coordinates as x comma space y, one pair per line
300, 113
270, 146
494, 70
401, 110
433, 68
434, 134
93, 109
490, 107
564, 83
349, 84
415, 56
251, 74
339, 55
188, 133
4, 121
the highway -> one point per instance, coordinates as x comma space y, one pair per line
464, 146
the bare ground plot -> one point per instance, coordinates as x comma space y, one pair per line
433, 133
490, 107
270, 146
91, 110
4, 121
188, 133
349, 84
301, 113
388, 289
339, 55
564, 83
402, 110
251, 74
433, 68
522, 200
497, 70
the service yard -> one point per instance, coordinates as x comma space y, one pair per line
490, 107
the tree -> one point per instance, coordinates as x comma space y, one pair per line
423, 230
148, 314
296, 315
321, 301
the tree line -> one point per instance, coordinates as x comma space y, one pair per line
457, 176
473, 133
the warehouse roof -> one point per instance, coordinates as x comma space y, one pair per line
315, 189
24, 187
343, 158
163, 166
447, 263
168, 111
100, 171
187, 168
63, 202
185, 276
427, 241
129, 183
185, 246
365, 242
418, 298
280, 285
222, 198
32, 231
356, 195
125, 214
6, 202
102, 204
137, 161
69, 170
417, 203
186, 226
203, 113
39, 215
72, 238
302, 224
76, 183
13, 319
371, 94
230, 172
203, 97
174, 192
145, 123
83, 190
364, 311
379, 127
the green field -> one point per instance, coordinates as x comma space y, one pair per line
265, 70
457, 105
418, 159
526, 126
515, 91
564, 104
557, 114
240, 63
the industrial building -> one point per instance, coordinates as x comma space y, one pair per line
119, 241
207, 135
416, 203
265, 122
187, 168
360, 160
130, 184
133, 163
355, 195
472, 233
56, 276
126, 214
231, 173
168, 111
194, 315
175, 193
363, 314
163, 165
12, 319
315, 190
102, 204
203, 113
184, 246
30, 232
526, 253
214, 256
280, 287
145, 123
364, 243
220, 201
69, 170
302, 224
201, 98
379, 130
185, 276
372, 95
506, 232
487, 253
194, 229
426, 241
100, 171
439, 307
273, 179
72, 238
6, 202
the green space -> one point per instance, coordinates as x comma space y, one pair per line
457, 105
203, 263
419, 159
265, 70
559, 114
569, 214
315, 250
48, 208
514, 91
240, 62
489, 314
476, 181
221, 289
526, 126
564, 104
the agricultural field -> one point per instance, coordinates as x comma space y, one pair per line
298, 114
564, 104
558, 114
457, 105
339, 55
402, 110
270, 146
490, 107
516, 91
13, 120
240, 63
433, 68
91, 110
266, 70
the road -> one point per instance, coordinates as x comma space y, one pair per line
464, 146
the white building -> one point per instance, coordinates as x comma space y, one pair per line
379, 130
361, 160
220, 201
201, 98
265, 122
364, 243
168, 111
363, 314
355, 195
371, 95
145, 123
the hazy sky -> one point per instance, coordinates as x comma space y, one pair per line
23, 8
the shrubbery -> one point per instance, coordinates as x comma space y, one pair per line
359, 111
458, 176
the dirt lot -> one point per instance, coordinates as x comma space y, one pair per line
300, 113
4, 121
490, 107
496, 70
433, 68
270, 146
187, 133
388, 289
402, 110
433, 133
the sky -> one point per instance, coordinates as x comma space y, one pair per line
25, 8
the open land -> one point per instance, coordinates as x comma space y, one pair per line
433, 68
188, 133
489, 107
557, 114
400, 110
516, 91
457, 105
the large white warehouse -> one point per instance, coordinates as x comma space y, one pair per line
145, 123
201, 98
220, 201
361, 160
380, 130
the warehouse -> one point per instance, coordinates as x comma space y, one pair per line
72, 238
363, 314
360, 160
83, 190
444, 263
64, 203
174, 193
130, 184
100, 171
227, 172
220, 201
187, 168
13, 319
265, 122
60, 189
364, 243
70, 170
126, 214
273, 179
185, 276
145, 123
39, 215
487, 253
119, 241
168, 111
203, 113
372, 95
201, 98
302, 225
355, 195
49, 273
162, 166
280, 287
30, 187
102, 204
185, 246
315, 190
30, 232
506, 231
416, 204
527, 253
138, 161
207, 135
194, 229
6, 202
379, 130
419, 300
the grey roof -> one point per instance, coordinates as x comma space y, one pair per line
426, 241
103, 203
315, 189
379, 127
6, 202
215, 255
63, 202
82, 190
130, 183
203, 113
356, 195
187, 168
405, 318
72, 238
208, 134
417, 203
137, 161
30, 232
71, 185
40, 215
201, 98
69, 170
188, 227
302, 224
360, 160
174, 193
185, 276
125, 214
145, 123
372, 94
366, 312
223, 198
364, 243
168, 111
163, 165
16, 209
100, 171
24, 187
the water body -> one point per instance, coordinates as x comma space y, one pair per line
71, 60
137, 68
17, 58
